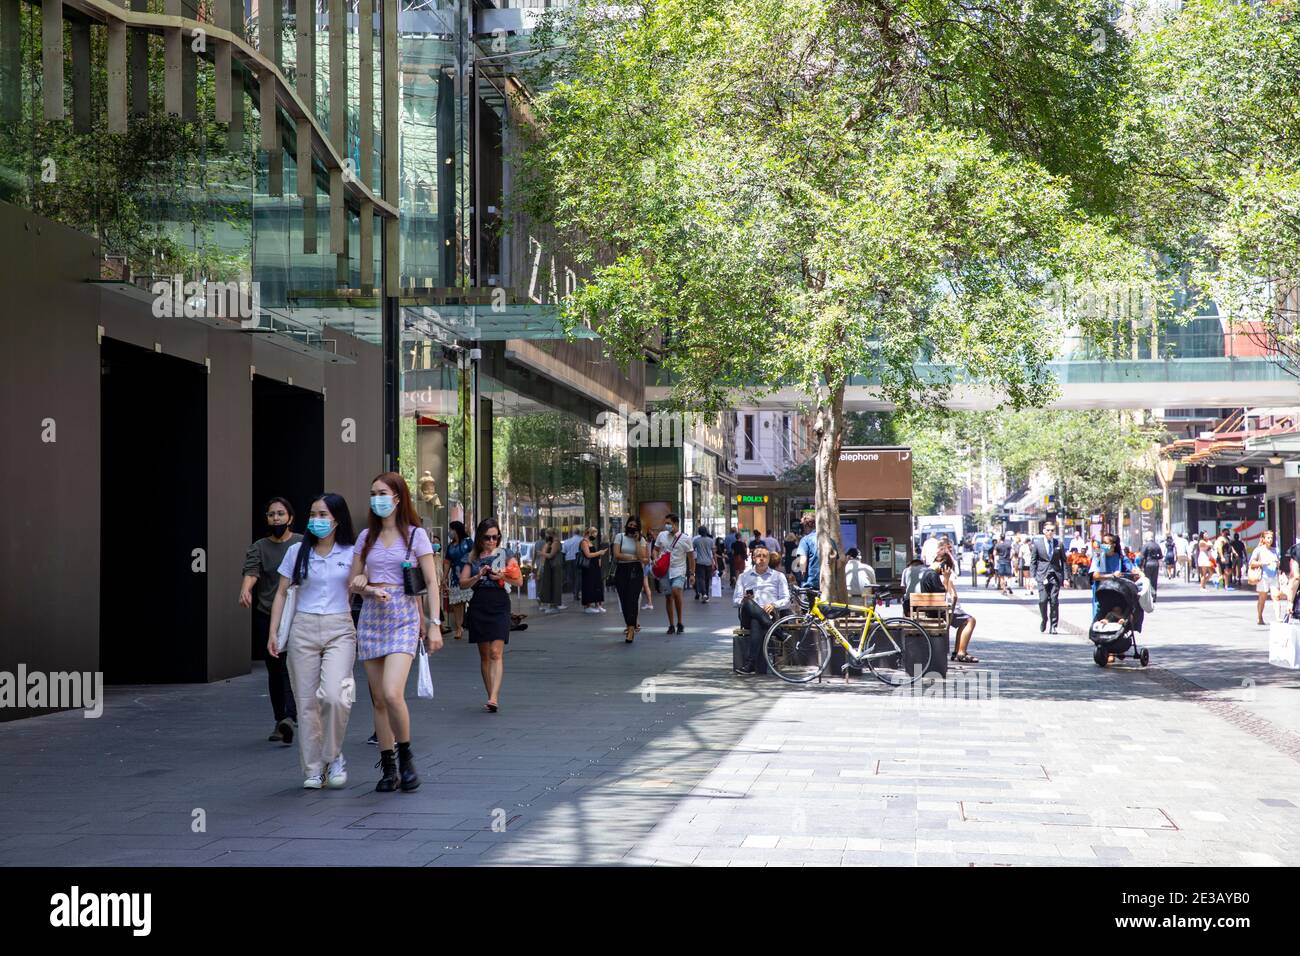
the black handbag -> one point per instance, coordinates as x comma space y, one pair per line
413, 582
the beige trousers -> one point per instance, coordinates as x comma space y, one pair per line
321, 651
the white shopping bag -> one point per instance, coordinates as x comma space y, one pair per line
1284, 645
1145, 597
715, 587
424, 683
532, 589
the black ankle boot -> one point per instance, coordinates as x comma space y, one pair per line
388, 782
406, 764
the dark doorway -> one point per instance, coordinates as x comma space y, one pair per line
288, 455
154, 517
1286, 527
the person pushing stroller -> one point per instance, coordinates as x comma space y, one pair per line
1117, 613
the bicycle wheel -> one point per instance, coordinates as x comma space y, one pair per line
897, 651
797, 649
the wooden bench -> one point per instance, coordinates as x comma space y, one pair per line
934, 614
931, 611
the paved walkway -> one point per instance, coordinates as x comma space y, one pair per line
656, 753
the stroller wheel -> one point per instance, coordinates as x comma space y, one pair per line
1100, 655
1145, 657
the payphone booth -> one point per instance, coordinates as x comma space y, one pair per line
875, 492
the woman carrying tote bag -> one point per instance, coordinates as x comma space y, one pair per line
322, 644
394, 571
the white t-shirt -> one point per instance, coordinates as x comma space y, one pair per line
859, 577
682, 547
325, 588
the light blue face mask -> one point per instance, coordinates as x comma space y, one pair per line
320, 527
382, 505
1105, 549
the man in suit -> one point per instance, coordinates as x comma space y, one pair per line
1047, 562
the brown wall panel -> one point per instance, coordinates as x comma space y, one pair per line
49, 369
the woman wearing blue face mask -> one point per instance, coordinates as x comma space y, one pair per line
1110, 562
393, 622
322, 644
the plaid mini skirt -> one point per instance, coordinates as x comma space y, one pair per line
388, 627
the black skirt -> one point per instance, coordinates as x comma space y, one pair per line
487, 618
593, 584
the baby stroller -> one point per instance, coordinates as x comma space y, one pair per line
1117, 622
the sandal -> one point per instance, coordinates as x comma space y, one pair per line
490, 707
967, 659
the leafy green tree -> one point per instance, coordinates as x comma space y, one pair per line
1210, 137
798, 191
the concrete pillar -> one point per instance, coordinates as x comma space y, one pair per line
52, 58
115, 62
174, 55
79, 32
221, 65
138, 66
11, 61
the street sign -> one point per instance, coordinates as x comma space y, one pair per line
1239, 490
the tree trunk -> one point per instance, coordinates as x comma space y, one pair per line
829, 431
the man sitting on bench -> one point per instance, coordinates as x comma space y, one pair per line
937, 579
759, 593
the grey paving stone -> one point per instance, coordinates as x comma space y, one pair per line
587, 773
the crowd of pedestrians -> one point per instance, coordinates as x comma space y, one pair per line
324, 599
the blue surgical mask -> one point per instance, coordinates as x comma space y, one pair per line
437, 546
320, 527
382, 505
1105, 549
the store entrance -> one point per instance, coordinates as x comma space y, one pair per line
288, 457
153, 517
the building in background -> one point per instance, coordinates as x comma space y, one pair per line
270, 262
774, 451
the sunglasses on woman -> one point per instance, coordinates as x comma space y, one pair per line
491, 537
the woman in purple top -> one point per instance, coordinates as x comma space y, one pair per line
392, 622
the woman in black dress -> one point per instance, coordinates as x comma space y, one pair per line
488, 616
593, 574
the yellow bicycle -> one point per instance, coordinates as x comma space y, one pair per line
797, 647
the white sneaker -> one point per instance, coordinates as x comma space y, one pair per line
314, 783
561, 607
549, 610
590, 610
338, 773
603, 610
